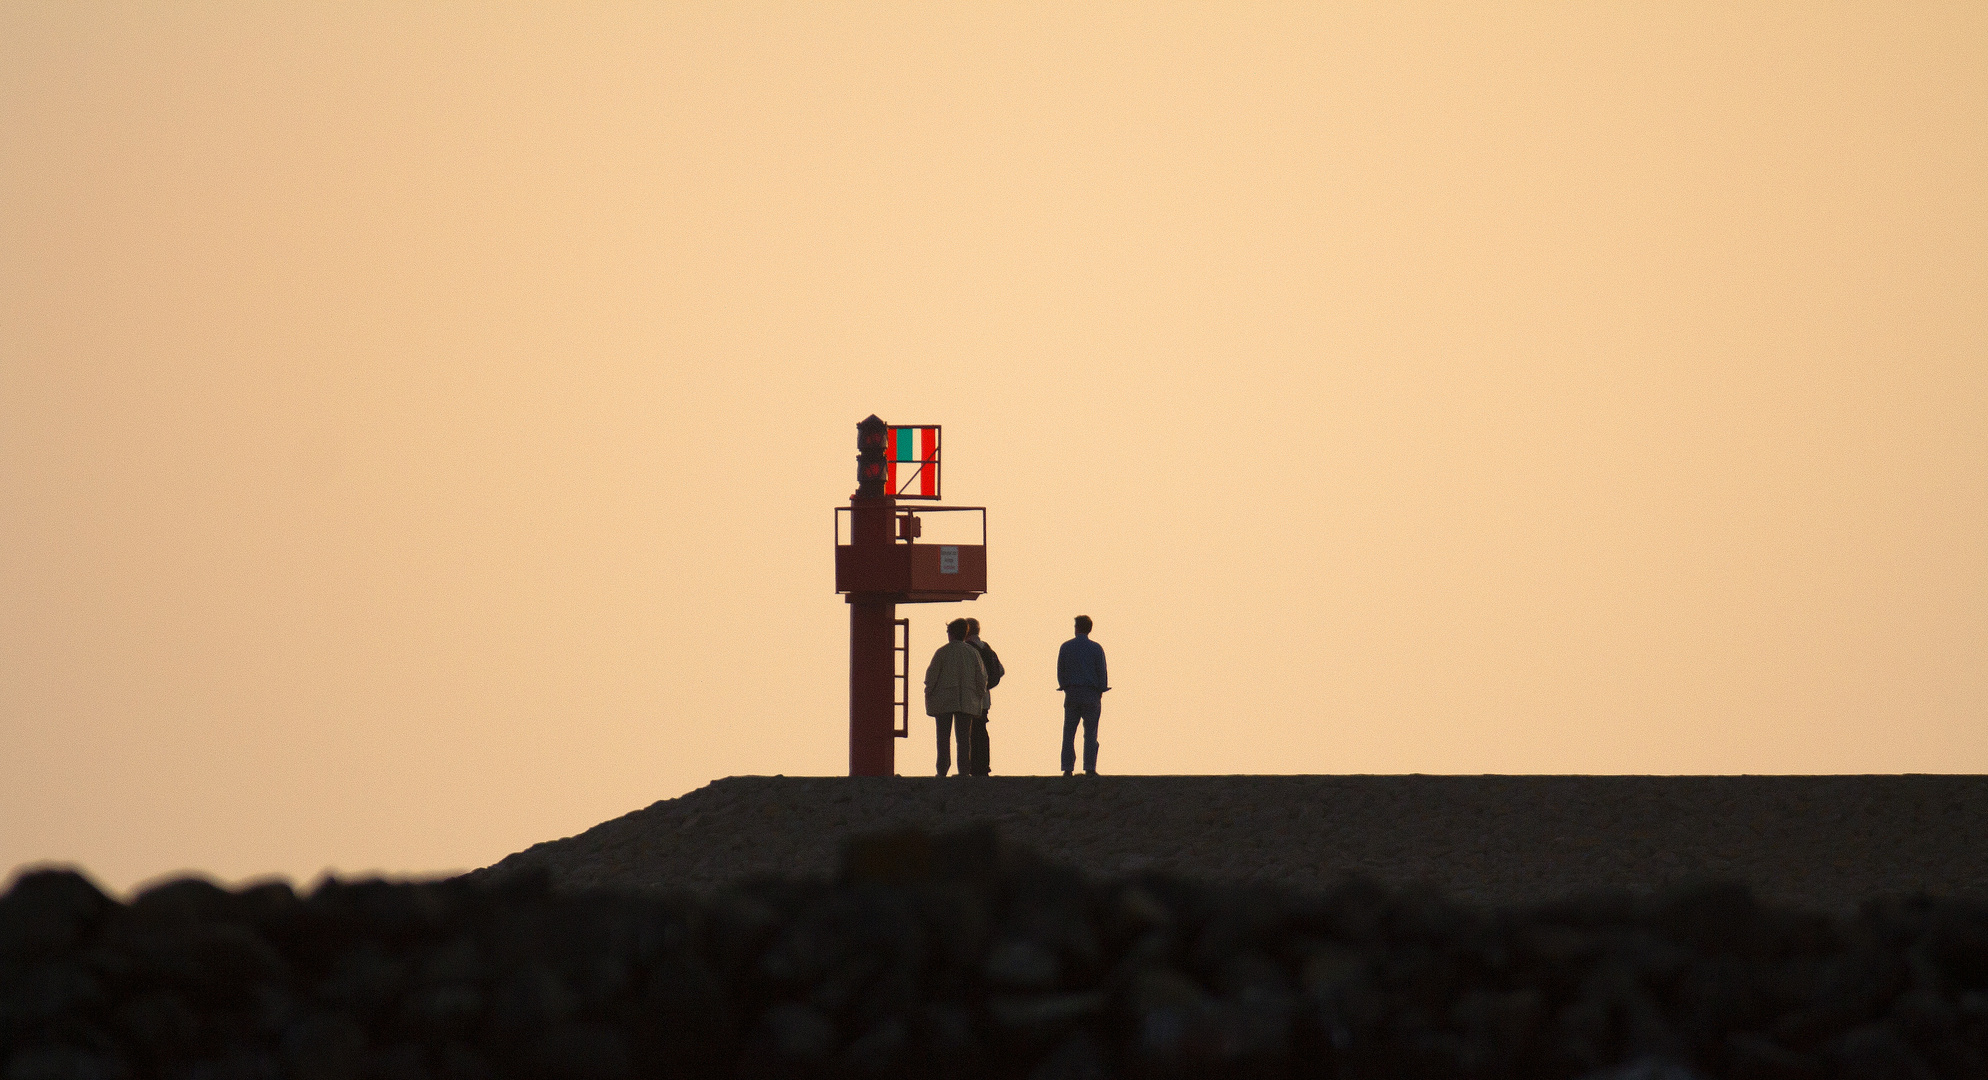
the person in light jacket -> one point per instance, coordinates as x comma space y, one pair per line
955, 693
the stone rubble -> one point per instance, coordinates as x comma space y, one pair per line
952, 954
1815, 841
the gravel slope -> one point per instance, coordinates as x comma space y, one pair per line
1823, 842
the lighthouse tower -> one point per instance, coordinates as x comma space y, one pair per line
880, 564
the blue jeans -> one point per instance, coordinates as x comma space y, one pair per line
1088, 713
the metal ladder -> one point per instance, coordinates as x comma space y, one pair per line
901, 645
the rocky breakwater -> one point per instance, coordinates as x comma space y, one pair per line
1817, 841
952, 955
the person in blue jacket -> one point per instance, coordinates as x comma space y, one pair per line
1080, 675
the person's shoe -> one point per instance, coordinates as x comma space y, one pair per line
1066, 772
1090, 772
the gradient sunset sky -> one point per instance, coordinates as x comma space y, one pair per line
420, 424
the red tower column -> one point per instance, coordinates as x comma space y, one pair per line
872, 736
872, 648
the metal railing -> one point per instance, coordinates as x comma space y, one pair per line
914, 512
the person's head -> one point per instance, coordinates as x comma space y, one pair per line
956, 630
1084, 625
973, 628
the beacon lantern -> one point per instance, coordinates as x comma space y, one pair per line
880, 563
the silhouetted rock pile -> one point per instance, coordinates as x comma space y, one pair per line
1821, 842
948, 956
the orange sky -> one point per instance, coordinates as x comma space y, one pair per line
419, 428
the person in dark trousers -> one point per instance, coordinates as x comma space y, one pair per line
955, 693
980, 765
1080, 675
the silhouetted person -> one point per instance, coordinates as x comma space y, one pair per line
955, 693
1080, 675
979, 765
